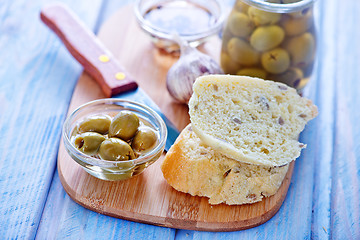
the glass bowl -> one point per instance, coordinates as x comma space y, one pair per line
193, 20
114, 170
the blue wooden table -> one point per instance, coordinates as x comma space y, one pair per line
37, 78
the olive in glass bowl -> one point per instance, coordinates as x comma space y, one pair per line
91, 137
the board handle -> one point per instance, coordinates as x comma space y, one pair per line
87, 49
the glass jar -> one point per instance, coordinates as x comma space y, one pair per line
273, 39
193, 20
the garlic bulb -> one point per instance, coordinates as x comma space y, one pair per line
191, 64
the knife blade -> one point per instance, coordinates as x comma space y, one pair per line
98, 61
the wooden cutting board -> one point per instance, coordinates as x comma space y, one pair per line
147, 198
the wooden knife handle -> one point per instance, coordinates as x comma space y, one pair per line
87, 49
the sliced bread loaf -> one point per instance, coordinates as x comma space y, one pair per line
249, 119
192, 167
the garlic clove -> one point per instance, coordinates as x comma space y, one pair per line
191, 64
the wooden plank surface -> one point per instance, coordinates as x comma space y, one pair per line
324, 93
62, 218
37, 78
322, 202
345, 166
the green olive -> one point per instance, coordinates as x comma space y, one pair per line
267, 37
297, 25
292, 77
95, 123
226, 36
253, 72
260, 17
240, 24
144, 139
242, 52
275, 61
229, 66
301, 49
88, 142
241, 7
124, 125
115, 149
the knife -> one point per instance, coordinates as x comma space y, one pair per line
98, 61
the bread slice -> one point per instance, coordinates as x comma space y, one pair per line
192, 167
250, 119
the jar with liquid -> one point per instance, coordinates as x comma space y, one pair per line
270, 39
193, 20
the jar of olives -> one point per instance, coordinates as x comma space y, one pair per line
270, 39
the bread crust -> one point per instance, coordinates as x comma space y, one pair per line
192, 167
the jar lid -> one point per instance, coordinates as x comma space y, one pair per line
280, 7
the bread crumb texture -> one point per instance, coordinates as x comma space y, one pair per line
192, 167
249, 119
